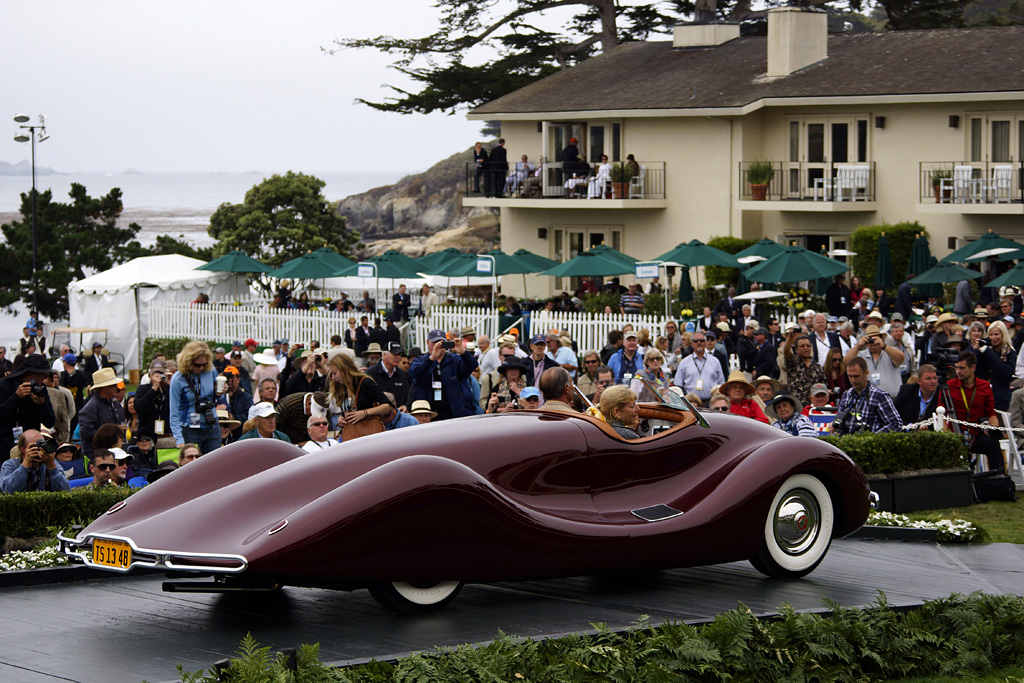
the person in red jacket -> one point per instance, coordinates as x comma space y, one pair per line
973, 402
738, 389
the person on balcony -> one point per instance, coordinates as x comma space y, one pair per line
596, 185
517, 179
576, 175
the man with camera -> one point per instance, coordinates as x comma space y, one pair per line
24, 401
36, 468
883, 361
153, 405
439, 376
235, 399
973, 401
864, 407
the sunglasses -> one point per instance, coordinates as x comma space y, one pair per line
192, 456
590, 362
319, 424
721, 409
199, 366
105, 466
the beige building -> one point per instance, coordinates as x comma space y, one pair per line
855, 127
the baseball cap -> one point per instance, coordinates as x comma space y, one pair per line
931, 319
250, 342
277, 342
236, 343
538, 339
236, 354
70, 358
630, 334
219, 349
231, 370
436, 335
530, 392
396, 348
97, 345
121, 455
818, 389
261, 409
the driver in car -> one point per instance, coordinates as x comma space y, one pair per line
556, 386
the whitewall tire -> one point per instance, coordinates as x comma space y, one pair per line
798, 530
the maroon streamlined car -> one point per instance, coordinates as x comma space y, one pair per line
416, 513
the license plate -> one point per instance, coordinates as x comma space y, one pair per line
116, 554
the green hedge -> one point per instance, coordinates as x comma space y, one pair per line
901, 451
23, 515
720, 275
957, 637
864, 241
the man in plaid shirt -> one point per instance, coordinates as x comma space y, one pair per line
867, 407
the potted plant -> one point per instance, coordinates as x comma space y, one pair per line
759, 176
621, 177
936, 177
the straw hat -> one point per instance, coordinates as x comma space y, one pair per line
873, 331
225, 419
105, 377
739, 378
946, 318
374, 347
776, 385
422, 408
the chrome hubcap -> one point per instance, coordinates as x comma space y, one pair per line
797, 521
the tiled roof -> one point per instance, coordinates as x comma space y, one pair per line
654, 75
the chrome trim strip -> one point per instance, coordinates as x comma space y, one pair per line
153, 559
279, 527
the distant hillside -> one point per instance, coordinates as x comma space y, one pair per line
421, 211
24, 168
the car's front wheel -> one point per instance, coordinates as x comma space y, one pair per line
415, 598
798, 531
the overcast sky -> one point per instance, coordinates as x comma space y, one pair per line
219, 85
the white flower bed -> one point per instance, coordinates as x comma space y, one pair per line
949, 531
33, 559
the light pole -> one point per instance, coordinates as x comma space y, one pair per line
36, 132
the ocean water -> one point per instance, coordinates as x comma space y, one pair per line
174, 203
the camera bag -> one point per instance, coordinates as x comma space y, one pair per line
993, 486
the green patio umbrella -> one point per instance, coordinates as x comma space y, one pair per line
605, 250
794, 264
945, 272
329, 256
307, 267
696, 253
530, 258
466, 266
764, 247
236, 262
883, 266
431, 263
1014, 277
589, 264
921, 259
390, 264
986, 242
685, 286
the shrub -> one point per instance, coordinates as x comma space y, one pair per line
864, 241
23, 515
170, 348
901, 451
956, 637
720, 275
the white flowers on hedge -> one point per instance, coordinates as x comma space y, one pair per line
33, 559
948, 530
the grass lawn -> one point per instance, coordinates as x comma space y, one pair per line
1001, 521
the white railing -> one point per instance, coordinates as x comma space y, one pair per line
226, 323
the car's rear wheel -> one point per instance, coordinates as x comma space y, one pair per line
798, 531
415, 597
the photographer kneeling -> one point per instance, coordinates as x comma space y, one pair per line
864, 407
194, 400
36, 469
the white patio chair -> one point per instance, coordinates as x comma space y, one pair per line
636, 184
963, 185
854, 179
1014, 468
999, 187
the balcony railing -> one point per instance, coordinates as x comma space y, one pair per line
972, 182
552, 182
848, 182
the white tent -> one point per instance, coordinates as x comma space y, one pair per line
118, 299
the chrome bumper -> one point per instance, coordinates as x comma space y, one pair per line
81, 549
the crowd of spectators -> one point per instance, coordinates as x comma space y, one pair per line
872, 369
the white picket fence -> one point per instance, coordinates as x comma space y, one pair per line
226, 323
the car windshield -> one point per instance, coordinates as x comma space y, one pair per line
648, 392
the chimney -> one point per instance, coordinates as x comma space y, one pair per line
797, 37
703, 35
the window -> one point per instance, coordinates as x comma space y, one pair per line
996, 137
816, 144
